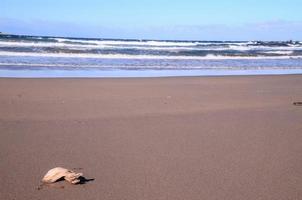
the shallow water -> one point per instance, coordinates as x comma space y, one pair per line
51, 73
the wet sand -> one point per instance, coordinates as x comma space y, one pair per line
230, 138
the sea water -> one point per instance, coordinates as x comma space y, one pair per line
36, 56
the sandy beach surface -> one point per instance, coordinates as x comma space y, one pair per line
186, 138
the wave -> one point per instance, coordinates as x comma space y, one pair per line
146, 42
90, 46
126, 56
279, 52
30, 52
111, 45
130, 42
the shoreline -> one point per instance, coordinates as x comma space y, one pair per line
117, 73
223, 137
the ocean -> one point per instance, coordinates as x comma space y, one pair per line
60, 56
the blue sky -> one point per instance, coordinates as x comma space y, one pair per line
155, 19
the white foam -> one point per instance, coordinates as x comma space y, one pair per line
146, 45
129, 42
261, 48
125, 56
91, 46
43, 44
279, 52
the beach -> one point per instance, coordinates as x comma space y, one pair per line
228, 137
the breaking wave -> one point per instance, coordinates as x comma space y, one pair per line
16, 50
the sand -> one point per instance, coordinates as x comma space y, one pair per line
230, 138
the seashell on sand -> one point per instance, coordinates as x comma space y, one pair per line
57, 173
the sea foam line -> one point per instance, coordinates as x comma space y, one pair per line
124, 56
112, 46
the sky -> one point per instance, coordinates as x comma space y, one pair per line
155, 19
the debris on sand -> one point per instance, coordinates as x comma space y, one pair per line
60, 173
297, 103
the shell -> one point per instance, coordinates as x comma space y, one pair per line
57, 173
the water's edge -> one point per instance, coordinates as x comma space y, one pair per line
51, 73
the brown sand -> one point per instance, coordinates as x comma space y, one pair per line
231, 138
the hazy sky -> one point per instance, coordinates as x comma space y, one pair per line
155, 19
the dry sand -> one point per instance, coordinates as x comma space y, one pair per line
231, 138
